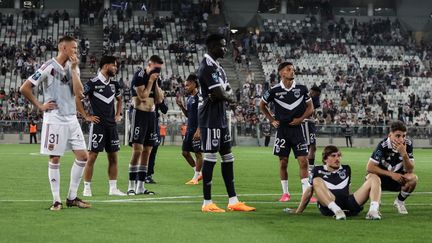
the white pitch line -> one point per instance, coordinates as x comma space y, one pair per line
170, 199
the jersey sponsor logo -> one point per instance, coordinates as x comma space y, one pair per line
37, 75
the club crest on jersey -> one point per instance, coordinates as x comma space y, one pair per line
112, 88
296, 92
342, 175
215, 77
50, 147
215, 142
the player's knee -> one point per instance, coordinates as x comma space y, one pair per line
374, 178
137, 148
317, 181
212, 157
198, 156
185, 154
55, 160
411, 177
227, 158
283, 162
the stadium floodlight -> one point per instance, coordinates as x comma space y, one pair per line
234, 31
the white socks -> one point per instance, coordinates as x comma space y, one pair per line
374, 206
87, 185
132, 185
75, 178
284, 184
140, 186
305, 184
233, 200
54, 179
196, 174
207, 202
334, 207
112, 184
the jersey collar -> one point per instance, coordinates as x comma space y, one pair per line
102, 78
285, 88
389, 143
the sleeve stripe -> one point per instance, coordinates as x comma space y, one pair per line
374, 161
214, 86
265, 101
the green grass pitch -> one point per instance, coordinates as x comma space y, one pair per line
173, 215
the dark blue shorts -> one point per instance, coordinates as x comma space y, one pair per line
189, 144
215, 139
287, 138
103, 137
143, 128
309, 131
346, 203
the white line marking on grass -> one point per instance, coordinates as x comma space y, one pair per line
172, 199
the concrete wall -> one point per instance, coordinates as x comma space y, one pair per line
414, 14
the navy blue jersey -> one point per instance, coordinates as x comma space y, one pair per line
337, 182
211, 75
388, 158
101, 93
192, 112
289, 103
141, 78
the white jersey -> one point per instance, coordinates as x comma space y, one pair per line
57, 86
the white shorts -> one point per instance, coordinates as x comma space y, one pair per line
57, 138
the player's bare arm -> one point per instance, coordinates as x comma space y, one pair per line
307, 195
407, 162
179, 102
81, 110
26, 90
219, 94
306, 114
78, 87
119, 107
264, 109
197, 135
375, 169
159, 94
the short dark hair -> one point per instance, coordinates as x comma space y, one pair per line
328, 150
67, 38
213, 39
397, 126
193, 78
107, 60
156, 59
316, 88
284, 64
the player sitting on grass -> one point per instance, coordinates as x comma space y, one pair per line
393, 162
331, 183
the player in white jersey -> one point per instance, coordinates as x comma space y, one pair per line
60, 79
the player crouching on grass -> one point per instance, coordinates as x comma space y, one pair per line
331, 183
393, 162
